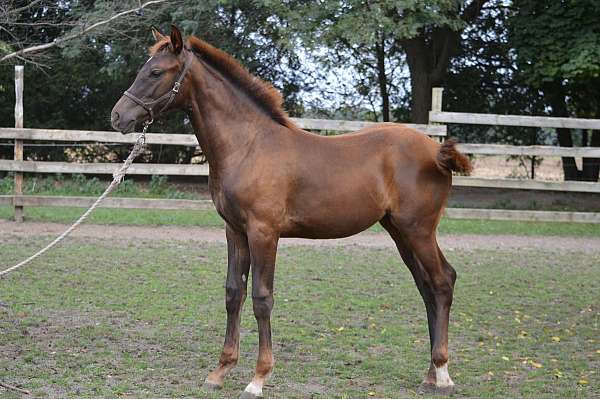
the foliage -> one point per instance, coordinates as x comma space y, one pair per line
64, 94
559, 43
330, 58
557, 46
483, 78
367, 64
557, 40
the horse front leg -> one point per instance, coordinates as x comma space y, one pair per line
238, 266
263, 250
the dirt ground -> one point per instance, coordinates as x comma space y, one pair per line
125, 234
492, 166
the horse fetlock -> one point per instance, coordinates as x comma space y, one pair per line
439, 355
430, 377
229, 358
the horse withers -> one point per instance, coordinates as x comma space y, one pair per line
270, 179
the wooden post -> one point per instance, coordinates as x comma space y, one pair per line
18, 143
436, 102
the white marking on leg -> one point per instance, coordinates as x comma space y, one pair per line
442, 377
244, 278
254, 388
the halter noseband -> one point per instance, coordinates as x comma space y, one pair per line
170, 95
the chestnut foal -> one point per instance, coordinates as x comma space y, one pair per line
270, 179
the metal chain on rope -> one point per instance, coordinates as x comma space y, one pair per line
117, 179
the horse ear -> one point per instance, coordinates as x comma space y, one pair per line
157, 35
176, 40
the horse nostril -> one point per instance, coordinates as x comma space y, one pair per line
115, 116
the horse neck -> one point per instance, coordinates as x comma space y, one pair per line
227, 122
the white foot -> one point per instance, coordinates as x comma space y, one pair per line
442, 377
254, 389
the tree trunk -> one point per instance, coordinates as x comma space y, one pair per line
591, 166
428, 56
428, 61
421, 96
417, 58
383, 82
556, 97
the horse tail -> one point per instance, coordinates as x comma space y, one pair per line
450, 159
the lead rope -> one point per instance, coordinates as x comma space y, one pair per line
117, 179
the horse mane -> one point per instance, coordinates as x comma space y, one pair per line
263, 93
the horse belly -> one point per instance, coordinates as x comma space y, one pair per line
335, 211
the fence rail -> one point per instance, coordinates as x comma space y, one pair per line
526, 184
103, 168
513, 120
532, 150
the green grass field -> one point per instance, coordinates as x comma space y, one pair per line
212, 219
103, 319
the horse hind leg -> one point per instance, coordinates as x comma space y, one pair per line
435, 279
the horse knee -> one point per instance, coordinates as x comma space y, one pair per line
262, 306
234, 297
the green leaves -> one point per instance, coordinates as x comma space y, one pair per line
556, 40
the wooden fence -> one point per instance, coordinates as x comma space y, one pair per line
19, 166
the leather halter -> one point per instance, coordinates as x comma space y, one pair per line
170, 95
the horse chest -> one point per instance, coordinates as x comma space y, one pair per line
228, 206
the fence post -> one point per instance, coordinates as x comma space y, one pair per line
18, 142
436, 103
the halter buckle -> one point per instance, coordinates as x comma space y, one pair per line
176, 87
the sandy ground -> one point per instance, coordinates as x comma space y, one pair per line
498, 166
11, 230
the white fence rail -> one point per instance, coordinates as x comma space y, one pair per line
513, 120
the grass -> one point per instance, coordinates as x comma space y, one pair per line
104, 319
210, 218
139, 217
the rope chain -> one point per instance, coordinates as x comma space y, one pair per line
118, 176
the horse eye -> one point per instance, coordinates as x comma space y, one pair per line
156, 73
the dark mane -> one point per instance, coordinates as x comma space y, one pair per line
260, 91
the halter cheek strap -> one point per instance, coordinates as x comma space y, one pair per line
169, 96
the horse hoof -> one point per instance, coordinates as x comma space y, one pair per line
431, 389
210, 387
248, 395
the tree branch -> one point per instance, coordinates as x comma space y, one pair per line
28, 6
71, 36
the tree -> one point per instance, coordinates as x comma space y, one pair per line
380, 33
51, 13
557, 45
82, 78
430, 35
329, 29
